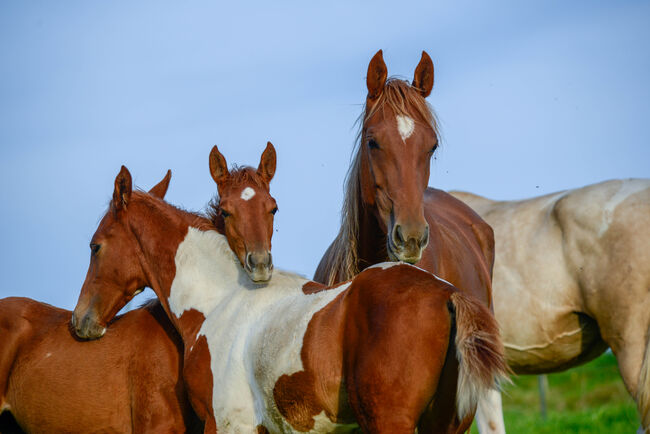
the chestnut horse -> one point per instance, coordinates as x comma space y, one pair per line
288, 355
389, 213
130, 382
592, 245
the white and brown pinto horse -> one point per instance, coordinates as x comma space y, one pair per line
572, 277
393, 350
131, 381
389, 213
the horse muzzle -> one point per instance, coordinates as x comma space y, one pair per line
259, 266
87, 327
407, 246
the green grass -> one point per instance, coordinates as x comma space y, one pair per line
587, 399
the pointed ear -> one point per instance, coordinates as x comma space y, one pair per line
159, 190
218, 166
423, 77
123, 188
266, 169
377, 73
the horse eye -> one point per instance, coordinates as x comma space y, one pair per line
224, 213
372, 144
432, 150
274, 210
94, 248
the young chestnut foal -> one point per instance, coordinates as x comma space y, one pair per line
290, 355
130, 381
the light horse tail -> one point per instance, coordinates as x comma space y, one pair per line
479, 350
643, 388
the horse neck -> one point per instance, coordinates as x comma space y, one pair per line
170, 242
371, 244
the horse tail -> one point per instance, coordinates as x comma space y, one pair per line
643, 387
479, 350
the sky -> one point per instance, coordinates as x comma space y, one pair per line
533, 97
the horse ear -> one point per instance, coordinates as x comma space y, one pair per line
123, 188
266, 169
377, 73
159, 190
218, 166
423, 77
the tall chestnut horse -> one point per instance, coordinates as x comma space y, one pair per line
288, 355
389, 213
129, 382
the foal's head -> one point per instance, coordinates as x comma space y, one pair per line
247, 208
115, 274
398, 138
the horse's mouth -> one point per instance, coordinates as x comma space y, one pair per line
399, 255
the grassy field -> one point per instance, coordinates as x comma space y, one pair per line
587, 399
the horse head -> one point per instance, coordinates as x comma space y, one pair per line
116, 272
398, 138
247, 208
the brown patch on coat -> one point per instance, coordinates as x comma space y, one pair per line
198, 379
305, 394
312, 287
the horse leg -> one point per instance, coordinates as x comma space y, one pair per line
198, 382
394, 363
441, 415
631, 345
489, 414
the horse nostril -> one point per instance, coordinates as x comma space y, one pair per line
249, 261
398, 239
425, 237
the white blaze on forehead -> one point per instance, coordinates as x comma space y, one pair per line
405, 126
247, 193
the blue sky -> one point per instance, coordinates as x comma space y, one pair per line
533, 97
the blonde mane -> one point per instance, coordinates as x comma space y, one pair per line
404, 100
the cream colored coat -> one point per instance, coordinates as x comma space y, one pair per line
572, 277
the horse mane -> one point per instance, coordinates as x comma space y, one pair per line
403, 99
200, 220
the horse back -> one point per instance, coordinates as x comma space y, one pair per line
461, 244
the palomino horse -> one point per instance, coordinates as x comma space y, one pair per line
388, 211
572, 277
288, 355
129, 382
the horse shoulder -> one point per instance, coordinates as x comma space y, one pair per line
461, 246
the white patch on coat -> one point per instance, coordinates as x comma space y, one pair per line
387, 265
627, 189
247, 193
405, 126
254, 332
48, 355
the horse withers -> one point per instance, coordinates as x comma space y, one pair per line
392, 350
130, 381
